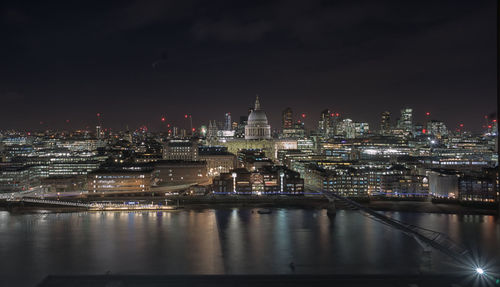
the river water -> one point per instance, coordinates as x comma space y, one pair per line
229, 241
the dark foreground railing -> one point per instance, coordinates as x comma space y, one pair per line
260, 280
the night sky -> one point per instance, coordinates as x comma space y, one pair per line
135, 61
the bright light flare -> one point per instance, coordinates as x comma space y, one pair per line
480, 271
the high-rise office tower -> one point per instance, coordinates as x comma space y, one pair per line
227, 122
406, 121
347, 128
385, 123
437, 128
287, 119
324, 122
98, 132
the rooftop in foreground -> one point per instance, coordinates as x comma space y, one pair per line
258, 280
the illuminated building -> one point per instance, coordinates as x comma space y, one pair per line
403, 183
119, 181
324, 124
14, 178
64, 184
287, 119
225, 135
253, 159
443, 183
178, 172
212, 130
361, 129
477, 188
343, 180
217, 158
385, 123
227, 122
270, 147
287, 156
270, 180
257, 127
347, 129
297, 131
98, 132
405, 122
436, 128
180, 150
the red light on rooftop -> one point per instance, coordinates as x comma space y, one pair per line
168, 125
303, 115
424, 131
163, 119
98, 114
337, 115
67, 121
185, 116
427, 114
461, 125
193, 129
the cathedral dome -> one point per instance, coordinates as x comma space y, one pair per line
257, 117
257, 125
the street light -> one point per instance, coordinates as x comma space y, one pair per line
234, 181
282, 175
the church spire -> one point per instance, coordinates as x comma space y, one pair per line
257, 103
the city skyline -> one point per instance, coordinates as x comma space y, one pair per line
265, 142
160, 122
209, 59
